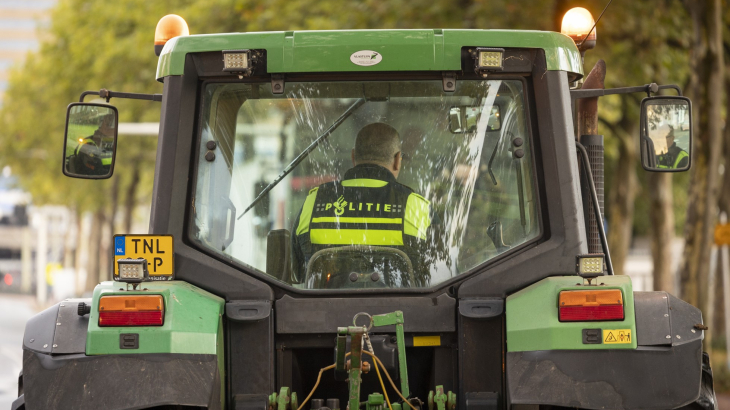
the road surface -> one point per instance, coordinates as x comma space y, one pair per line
15, 310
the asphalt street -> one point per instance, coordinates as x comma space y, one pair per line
15, 310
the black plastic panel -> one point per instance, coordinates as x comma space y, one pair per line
648, 378
421, 314
652, 319
120, 381
40, 329
71, 329
248, 310
481, 308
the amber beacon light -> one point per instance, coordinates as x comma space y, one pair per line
168, 27
577, 24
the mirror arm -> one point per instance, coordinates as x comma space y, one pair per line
649, 89
108, 95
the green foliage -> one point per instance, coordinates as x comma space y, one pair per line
93, 44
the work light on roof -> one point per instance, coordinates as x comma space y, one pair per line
488, 59
577, 24
237, 61
167, 28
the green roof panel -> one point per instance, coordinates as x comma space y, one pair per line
400, 50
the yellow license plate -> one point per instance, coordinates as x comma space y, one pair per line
156, 249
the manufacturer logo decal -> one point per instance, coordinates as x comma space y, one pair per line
366, 58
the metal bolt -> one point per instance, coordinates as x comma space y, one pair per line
679, 337
666, 315
449, 84
32, 340
277, 86
45, 345
55, 345
58, 324
62, 305
693, 331
669, 336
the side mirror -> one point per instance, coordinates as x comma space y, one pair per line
666, 134
464, 119
91, 140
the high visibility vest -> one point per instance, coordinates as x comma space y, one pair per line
373, 210
680, 156
105, 157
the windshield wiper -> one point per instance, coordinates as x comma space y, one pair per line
289, 168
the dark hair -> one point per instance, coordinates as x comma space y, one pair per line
377, 142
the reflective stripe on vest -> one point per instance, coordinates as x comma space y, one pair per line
415, 222
682, 155
306, 214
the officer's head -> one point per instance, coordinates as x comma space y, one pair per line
378, 144
670, 137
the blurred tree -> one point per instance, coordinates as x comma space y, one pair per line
706, 91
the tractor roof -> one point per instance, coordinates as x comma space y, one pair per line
401, 50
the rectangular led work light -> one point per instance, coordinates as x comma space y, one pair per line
237, 61
488, 59
132, 270
591, 265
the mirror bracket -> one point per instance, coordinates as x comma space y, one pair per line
649, 89
449, 81
108, 95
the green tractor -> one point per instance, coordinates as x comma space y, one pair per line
274, 279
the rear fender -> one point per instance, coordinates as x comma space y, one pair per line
660, 369
71, 362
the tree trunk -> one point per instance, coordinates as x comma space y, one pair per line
707, 74
92, 270
661, 216
725, 191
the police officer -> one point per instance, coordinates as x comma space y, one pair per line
92, 157
367, 207
675, 157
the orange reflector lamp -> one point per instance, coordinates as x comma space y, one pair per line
169, 27
577, 24
133, 310
591, 305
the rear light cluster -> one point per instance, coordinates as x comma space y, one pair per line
591, 305
134, 310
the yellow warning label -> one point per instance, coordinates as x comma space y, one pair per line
426, 341
616, 336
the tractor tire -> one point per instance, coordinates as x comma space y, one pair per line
707, 399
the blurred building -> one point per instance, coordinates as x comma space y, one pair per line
19, 23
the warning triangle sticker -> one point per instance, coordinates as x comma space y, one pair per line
610, 338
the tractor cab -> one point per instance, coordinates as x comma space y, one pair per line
464, 163
400, 219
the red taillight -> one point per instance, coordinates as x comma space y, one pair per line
134, 310
590, 313
591, 305
130, 318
